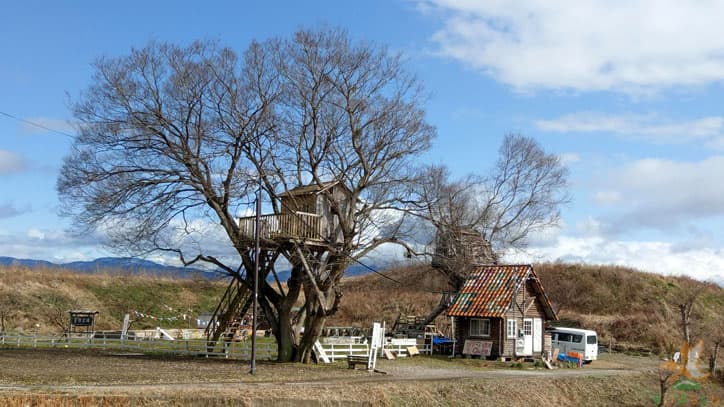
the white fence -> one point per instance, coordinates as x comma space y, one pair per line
235, 350
265, 349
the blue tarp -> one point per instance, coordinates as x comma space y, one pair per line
441, 340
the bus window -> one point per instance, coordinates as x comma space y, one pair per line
591, 340
564, 337
577, 338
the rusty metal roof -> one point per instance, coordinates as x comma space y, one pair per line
489, 291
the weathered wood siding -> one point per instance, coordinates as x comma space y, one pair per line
534, 310
462, 332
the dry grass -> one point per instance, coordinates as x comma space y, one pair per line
42, 296
76, 378
627, 307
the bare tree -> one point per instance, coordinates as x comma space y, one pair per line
715, 338
685, 301
171, 135
478, 218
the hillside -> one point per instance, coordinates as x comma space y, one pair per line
42, 296
630, 308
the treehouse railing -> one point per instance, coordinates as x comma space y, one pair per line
306, 226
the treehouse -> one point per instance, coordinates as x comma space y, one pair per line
306, 215
461, 247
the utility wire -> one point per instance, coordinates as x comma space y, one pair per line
36, 124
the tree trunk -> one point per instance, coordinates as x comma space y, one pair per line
713, 357
312, 331
685, 311
284, 334
445, 302
663, 387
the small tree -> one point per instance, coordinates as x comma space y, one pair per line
714, 333
685, 302
670, 372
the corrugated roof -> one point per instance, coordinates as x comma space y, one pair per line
489, 291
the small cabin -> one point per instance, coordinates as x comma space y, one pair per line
306, 214
502, 311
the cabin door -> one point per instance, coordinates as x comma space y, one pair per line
537, 335
527, 336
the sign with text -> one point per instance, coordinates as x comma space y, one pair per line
477, 348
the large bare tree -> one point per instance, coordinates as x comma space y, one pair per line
478, 217
172, 135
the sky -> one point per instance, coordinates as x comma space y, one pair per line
628, 94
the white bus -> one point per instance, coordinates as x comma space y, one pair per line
576, 340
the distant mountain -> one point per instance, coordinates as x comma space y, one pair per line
123, 264
142, 266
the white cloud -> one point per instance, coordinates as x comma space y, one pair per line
649, 127
591, 45
11, 163
663, 194
51, 245
652, 256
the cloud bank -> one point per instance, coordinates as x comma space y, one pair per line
595, 45
651, 128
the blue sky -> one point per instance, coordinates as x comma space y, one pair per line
629, 94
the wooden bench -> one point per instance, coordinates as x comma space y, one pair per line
353, 360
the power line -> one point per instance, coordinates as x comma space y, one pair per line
32, 123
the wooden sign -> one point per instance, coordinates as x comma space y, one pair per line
477, 348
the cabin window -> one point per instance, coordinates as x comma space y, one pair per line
479, 327
512, 329
591, 340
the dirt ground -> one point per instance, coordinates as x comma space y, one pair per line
81, 378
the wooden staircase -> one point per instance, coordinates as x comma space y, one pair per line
227, 318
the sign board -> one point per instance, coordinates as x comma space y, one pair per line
477, 348
81, 320
378, 337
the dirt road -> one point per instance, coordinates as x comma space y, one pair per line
67, 377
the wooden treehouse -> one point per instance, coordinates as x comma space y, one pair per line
457, 247
305, 218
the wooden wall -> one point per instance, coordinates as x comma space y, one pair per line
502, 346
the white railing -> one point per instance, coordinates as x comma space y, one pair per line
232, 350
339, 351
299, 225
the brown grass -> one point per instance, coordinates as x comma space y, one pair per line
628, 308
42, 296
